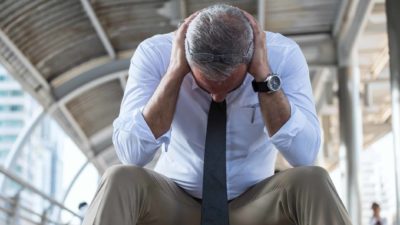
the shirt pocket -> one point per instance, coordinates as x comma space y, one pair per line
245, 131
248, 114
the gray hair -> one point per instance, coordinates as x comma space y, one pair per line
219, 30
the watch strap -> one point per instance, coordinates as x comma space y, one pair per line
260, 86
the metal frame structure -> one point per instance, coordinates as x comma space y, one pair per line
99, 28
28, 64
60, 104
42, 90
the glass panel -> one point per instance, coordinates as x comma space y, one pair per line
8, 138
11, 123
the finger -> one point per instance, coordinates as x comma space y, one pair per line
253, 22
251, 19
180, 23
188, 19
191, 17
184, 26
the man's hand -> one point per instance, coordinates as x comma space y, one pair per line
178, 62
258, 66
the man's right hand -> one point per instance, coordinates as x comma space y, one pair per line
178, 63
159, 111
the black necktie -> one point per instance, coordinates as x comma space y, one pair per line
214, 209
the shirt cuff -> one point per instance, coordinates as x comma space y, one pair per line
284, 137
139, 128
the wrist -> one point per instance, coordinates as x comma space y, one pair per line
262, 74
177, 71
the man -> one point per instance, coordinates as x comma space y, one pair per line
210, 96
376, 218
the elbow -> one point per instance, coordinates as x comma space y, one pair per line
304, 150
128, 150
307, 159
310, 152
119, 144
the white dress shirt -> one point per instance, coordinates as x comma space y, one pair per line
251, 153
374, 221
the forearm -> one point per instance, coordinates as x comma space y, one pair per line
275, 109
159, 111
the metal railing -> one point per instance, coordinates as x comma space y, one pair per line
15, 212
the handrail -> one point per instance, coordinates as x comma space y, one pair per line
36, 191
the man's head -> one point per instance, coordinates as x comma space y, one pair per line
219, 45
376, 208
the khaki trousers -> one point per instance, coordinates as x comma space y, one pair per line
130, 195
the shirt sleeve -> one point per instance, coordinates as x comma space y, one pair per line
133, 140
299, 139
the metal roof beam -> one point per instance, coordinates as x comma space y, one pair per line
344, 5
319, 49
25, 61
319, 84
356, 21
85, 142
90, 85
99, 28
86, 73
71, 120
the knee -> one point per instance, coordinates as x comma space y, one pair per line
123, 174
309, 176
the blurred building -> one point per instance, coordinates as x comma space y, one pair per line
39, 161
12, 115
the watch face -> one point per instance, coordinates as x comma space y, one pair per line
274, 83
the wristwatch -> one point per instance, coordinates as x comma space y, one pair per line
270, 85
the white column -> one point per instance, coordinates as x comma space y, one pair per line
351, 133
393, 25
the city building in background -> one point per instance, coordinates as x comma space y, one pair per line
41, 160
12, 112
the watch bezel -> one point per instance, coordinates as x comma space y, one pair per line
269, 82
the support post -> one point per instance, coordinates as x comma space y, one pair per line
351, 131
393, 27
